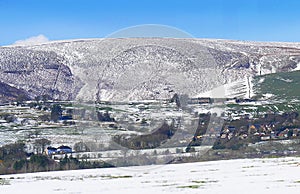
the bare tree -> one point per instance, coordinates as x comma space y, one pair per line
41, 144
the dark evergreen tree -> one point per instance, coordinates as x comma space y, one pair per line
56, 112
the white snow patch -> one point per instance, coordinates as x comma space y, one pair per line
277, 175
297, 68
261, 80
285, 80
241, 88
268, 95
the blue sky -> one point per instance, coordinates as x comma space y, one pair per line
269, 20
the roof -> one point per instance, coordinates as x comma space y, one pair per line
64, 147
51, 148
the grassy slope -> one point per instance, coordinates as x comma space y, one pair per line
284, 86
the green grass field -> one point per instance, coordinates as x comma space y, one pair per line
283, 86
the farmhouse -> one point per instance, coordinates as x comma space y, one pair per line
51, 150
201, 101
284, 133
265, 137
60, 150
64, 149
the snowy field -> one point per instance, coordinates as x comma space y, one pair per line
279, 175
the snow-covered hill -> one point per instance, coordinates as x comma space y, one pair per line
142, 68
274, 176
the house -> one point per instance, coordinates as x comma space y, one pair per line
51, 150
2, 121
66, 117
243, 136
252, 129
64, 149
284, 133
241, 100
296, 132
223, 136
60, 150
201, 101
265, 137
231, 129
230, 135
273, 135
226, 130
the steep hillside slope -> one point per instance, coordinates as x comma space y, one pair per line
9, 93
142, 68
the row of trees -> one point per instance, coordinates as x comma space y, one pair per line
13, 159
147, 141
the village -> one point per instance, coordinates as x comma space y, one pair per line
157, 129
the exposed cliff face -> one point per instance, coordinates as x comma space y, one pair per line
140, 68
37, 72
9, 93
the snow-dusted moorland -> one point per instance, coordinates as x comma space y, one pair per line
123, 69
277, 175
